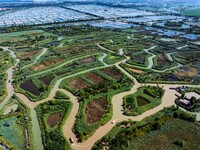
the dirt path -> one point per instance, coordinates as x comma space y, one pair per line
9, 72
101, 59
37, 58
150, 59
103, 48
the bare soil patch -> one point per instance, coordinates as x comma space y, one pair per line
95, 110
136, 70
78, 84
54, 119
187, 72
113, 73
88, 60
94, 78
28, 54
47, 80
46, 64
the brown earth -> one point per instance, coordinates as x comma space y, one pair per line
78, 84
54, 119
191, 72
46, 64
95, 110
94, 78
88, 60
136, 70
28, 54
113, 73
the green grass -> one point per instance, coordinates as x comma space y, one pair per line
18, 36
176, 130
170, 128
14, 134
192, 12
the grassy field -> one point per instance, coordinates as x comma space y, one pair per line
168, 129
18, 36
192, 12
176, 134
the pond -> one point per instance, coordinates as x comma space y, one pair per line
172, 33
103, 24
141, 101
54, 119
30, 87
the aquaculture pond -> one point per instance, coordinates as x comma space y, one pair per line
141, 101
54, 119
13, 132
172, 33
30, 87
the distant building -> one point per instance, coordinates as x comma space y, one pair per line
185, 102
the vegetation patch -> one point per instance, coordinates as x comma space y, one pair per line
61, 95
55, 113
163, 130
144, 99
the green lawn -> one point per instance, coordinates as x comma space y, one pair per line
176, 131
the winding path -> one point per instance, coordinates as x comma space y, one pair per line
37, 58
101, 59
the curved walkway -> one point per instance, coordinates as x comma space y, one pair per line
101, 59
37, 58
